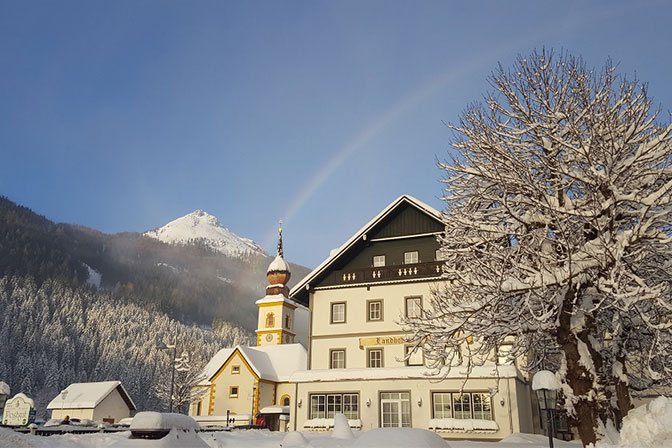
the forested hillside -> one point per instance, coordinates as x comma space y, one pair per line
189, 282
53, 334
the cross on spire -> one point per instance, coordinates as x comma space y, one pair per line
280, 238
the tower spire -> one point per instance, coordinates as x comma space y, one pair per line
280, 254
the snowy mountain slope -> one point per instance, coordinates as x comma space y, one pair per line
203, 228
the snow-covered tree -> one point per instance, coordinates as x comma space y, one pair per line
558, 240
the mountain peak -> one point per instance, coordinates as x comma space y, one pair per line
200, 226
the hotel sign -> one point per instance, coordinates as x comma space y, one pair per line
383, 340
18, 411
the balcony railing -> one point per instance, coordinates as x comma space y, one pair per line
388, 273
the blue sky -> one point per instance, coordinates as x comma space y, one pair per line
124, 115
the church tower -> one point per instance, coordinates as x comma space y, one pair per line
276, 311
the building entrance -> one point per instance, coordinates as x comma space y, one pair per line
395, 409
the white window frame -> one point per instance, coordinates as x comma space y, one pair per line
416, 359
332, 361
418, 312
379, 261
370, 305
370, 361
333, 313
411, 257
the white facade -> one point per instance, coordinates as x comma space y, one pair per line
102, 401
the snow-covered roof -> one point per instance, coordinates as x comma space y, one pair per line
305, 376
270, 362
277, 298
336, 253
89, 395
278, 264
275, 409
215, 363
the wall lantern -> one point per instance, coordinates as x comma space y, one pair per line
546, 385
299, 403
420, 401
368, 403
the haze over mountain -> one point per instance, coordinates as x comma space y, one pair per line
193, 268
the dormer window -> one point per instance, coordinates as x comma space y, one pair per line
411, 257
379, 261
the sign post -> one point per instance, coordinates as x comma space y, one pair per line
19, 411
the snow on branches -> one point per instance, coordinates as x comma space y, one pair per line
558, 237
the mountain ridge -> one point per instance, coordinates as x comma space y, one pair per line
183, 280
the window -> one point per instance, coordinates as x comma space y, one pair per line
285, 401
288, 321
270, 320
379, 261
413, 306
375, 310
235, 370
464, 406
442, 402
375, 357
411, 257
233, 392
338, 359
328, 405
439, 256
338, 313
416, 358
198, 408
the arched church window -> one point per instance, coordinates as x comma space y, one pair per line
285, 401
270, 320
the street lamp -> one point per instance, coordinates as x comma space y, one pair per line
546, 385
173, 347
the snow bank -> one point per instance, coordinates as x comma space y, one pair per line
342, 428
399, 437
470, 424
294, 439
4, 388
155, 421
648, 426
328, 423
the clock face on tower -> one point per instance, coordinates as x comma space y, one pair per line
269, 337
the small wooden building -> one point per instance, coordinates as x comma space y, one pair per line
105, 401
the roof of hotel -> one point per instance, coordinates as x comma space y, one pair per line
336, 253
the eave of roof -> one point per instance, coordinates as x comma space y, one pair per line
429, 210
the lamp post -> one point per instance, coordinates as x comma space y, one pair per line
546, 385
173, 347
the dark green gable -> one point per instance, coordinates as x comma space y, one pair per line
404, 228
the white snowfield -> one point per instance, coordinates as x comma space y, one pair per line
203, 227
648, 426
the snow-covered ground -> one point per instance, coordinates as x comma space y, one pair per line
245, 439
648, 426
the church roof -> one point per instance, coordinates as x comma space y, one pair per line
298, 290
270, 362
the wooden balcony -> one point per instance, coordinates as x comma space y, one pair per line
389, 273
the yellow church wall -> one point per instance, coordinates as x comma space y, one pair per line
266, 393
284, 390
224, 380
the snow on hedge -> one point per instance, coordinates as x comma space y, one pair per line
328, 423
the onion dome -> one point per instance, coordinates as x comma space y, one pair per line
278, 273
